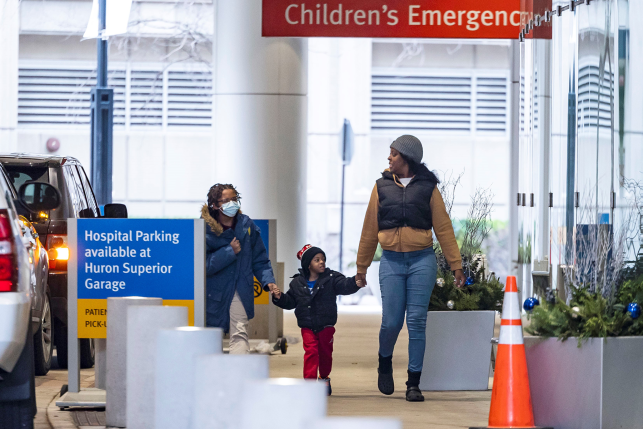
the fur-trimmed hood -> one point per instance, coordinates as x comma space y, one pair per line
214, 224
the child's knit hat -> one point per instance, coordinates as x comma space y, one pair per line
306, 255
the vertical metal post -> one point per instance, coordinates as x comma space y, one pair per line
273, 312
514, 158
102, 117
73, 351
543, 55
199, 273
101, 77
623, 62
341, 221
347, 156
571, 164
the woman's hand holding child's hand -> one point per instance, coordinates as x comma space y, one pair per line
360, 279
276, 292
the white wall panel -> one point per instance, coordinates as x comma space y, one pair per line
189, 169
145, 167
119, 167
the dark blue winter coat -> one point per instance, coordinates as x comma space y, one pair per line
226, 272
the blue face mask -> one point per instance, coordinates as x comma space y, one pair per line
230, 208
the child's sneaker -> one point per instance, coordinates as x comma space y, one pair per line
327, 381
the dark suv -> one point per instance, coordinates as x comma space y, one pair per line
77, 201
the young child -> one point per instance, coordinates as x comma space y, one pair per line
313, 294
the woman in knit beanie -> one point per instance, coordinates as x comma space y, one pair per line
404, 210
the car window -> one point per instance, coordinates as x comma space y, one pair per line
75, 189
89, 192
9, 195
9, 185
20, 174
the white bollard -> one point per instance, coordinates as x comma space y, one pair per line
100, 362
282, 403
177, 350
116, 360
355, 423
143, 324
219, 389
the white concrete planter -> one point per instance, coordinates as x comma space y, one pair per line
458, 350
596, 386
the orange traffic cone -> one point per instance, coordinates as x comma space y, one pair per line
511, 396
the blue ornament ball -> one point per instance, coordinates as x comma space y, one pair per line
469, 281
530, 303
634, 310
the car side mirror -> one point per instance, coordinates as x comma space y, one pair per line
39, 196
115, 211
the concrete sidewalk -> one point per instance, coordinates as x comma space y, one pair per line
354, 380
48, 390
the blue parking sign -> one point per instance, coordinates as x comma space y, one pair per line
154, 258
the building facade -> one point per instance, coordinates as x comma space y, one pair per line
200, 97
581, 144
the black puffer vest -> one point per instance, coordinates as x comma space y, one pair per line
405, 206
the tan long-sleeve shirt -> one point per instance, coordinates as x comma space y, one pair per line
407, 239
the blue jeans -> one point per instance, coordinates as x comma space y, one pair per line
406, 282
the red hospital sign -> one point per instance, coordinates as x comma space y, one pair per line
457, 19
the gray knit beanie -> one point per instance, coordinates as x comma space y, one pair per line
409, 146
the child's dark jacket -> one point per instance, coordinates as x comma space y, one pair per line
316, 310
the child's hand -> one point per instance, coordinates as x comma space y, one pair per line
276, 292
360, 279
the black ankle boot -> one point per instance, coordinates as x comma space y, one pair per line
385, 375
413, 392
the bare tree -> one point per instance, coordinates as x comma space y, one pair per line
599, 250
177, 37
478, 222
183, 36
447, 188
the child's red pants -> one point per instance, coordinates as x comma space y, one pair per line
319, 352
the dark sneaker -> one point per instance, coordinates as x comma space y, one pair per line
327, 382
414, 394
385, 383
385, 375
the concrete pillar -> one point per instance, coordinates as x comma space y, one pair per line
261, 121
143, 324
9, 37
100, 363
219, 388
177, 350
274, 394
116, 356
355, 423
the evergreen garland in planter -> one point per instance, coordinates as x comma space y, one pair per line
589, 314
482, 291
605, 293
485, 293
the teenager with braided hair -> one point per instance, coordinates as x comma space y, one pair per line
235, 254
